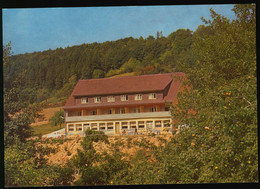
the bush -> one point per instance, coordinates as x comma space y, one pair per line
57, 118
25, 166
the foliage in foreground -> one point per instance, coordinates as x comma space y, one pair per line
95, 168
223, 131
26, 166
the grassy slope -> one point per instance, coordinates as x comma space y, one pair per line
41, 127
45, 129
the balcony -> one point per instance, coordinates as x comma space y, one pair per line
163, 114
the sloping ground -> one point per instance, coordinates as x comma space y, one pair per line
46, 113
55, 134
61, 151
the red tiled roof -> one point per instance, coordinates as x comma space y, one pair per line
117, 85
126, 85
174, 87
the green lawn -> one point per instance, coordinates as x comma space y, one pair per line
45, 129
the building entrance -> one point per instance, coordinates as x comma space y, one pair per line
117, 128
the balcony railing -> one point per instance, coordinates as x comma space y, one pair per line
161, 114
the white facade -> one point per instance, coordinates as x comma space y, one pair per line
117, 123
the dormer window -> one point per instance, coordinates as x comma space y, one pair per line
97, 99
84, 100
111, 99
124, 98
152, 96
138, 97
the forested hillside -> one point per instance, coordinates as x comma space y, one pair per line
55, 72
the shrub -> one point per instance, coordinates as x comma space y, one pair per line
25, 166
57, 118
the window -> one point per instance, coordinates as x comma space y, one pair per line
107, 111
124, 97
152, 96
122, 111
111, 99
117, 111
70, 114
94, 126
102, 126
166, 123
78, 127
86, 125
75, 113
153, 109
149, 125
132, 124
78, 113
97, 99
94, 112
84, 100
140, 124
71, 127
124, 125
137, 110
158, 123
110, 126
138, 97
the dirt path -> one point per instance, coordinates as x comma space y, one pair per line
47, 113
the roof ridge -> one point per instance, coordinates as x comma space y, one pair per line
132, 76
